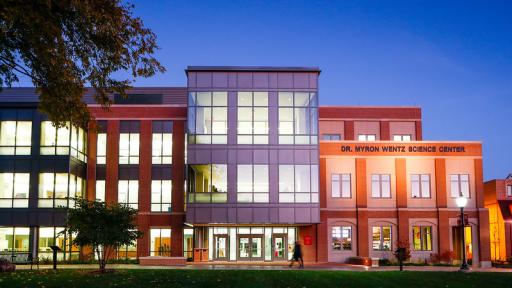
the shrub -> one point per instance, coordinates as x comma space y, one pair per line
357, 260
6, 266
447, 257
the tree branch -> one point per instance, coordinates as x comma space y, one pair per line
18, 68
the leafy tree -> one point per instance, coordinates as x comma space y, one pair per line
102, 227
63, 45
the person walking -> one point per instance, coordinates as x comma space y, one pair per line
297, 255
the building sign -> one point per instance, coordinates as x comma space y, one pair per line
402, 148
307, 240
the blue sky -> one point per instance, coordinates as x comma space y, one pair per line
452, 58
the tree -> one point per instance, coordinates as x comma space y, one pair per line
102, 227
63, 45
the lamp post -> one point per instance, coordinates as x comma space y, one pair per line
461, 203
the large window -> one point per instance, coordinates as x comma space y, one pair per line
161, 191
207, 183
15, 137
298, 118
162, 142
129, 142
298, 183
402, 137
381, 238
14, 189
341, 238
459, 185
54, 141
422, 238
420, 185
252, 118
53, 236
100, 190
381, 186
160, 242
14, 239
78, 140
129, 193
101, 146
340, 186
55, 188
127, 251
252, 183
366, 137
207, 118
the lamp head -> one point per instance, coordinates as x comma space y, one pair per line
461, 201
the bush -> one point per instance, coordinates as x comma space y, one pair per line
385, 262
357, 260
447, 257
6, 266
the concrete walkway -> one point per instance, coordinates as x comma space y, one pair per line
264, 266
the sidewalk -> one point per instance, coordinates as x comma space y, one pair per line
266, 266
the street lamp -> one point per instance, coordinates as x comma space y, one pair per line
461, 203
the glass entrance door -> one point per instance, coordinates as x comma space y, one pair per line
257, 248
279, 247
244, 252
220, 247
250, 248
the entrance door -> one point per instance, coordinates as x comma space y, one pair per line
244, 251
279, 247
250, 248
457, 239
257, 248
220, 247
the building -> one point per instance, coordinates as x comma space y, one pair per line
498, 199
239, 165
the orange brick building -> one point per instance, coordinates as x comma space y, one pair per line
381, 186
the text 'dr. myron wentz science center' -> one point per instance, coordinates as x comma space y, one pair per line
236, 167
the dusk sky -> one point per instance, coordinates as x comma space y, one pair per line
451, 58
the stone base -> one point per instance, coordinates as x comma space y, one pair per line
485, 264
162, 261
375, 262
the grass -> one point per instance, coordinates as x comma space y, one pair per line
250, 278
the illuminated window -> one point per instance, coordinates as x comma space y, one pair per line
298, 118
162, 142
160, 242
405, 137
55, 141
381, 186
298, 183
161, 191
252, 183
207, 183
129, 142
207, 118
101, 146
420, 185
56, 188
422, 238
509, 190
53, 236
340, 186
100, 190
459, 185
252, 118
128, 192
14, 239
366, 137
381, 238
14, 190
78, 140
341, 238
15, 137
127, 251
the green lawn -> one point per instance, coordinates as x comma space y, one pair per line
247, 278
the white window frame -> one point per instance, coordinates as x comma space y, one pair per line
379, 193
419, 182
367, 137
402, 137
459, 182
338, 183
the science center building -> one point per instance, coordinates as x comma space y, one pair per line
237, 166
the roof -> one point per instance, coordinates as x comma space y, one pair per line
251, 69
370, 112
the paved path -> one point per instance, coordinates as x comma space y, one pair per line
316, 266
